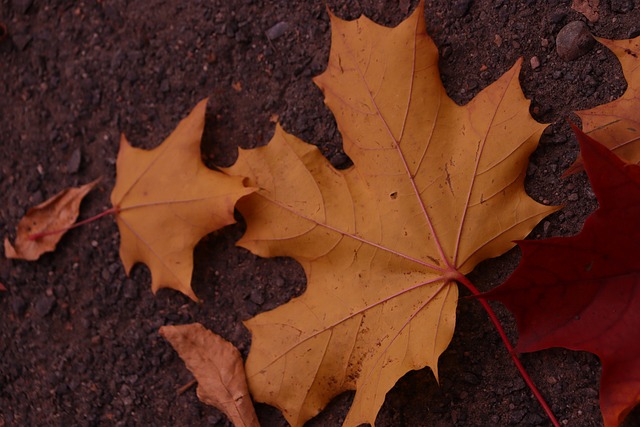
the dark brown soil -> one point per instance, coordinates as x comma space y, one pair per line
79, 341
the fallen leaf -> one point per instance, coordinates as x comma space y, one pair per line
218, 368
589, 8
583, 292
52, 216
166, 200
617, 124
2, 288
435, 189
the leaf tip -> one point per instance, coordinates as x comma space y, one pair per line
9, 249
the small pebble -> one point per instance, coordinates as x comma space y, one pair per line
471, 378
574, 40
573, 197
535, 62
460, 7
277, 30
73, 164
257, 296
130, 289
44, 305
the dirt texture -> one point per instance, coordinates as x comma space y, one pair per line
79, 342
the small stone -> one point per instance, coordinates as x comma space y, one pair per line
44, 305
257, 296
340, 161
556, 18
470, 378
573, 197
535, 62
460, 8
73, 164
574, 40
130, 289
277, 30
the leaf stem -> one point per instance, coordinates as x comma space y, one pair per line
514, 355
42, 234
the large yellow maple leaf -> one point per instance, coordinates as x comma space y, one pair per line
166, 200
617, 124
435, 189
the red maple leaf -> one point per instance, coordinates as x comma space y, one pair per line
583, 292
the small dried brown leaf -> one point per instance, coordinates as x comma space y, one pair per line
218, 368
57, 213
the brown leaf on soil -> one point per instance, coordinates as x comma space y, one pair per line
55, 214
435, 189
218, 368
616, 124
166, 200
589, 8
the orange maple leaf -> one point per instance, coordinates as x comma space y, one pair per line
166, 200
435, 189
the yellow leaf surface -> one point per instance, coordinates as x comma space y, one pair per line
167, 200
435, 189
55, 214
218, 368
617, 123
